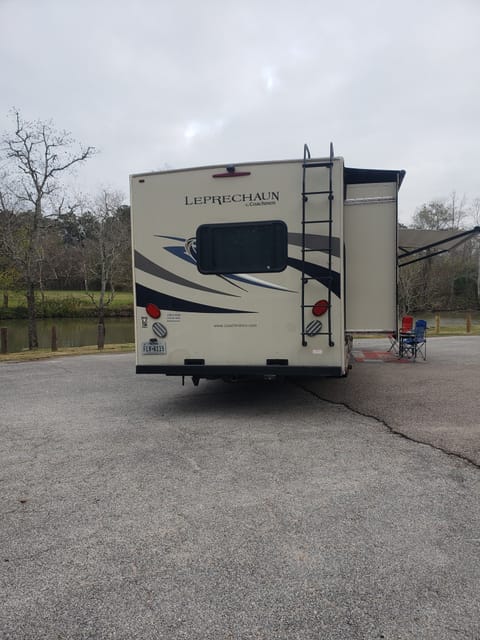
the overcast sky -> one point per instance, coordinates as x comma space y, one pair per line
180, 83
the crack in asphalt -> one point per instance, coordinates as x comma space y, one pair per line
391, 429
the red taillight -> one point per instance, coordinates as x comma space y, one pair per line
231, 174
320, 307
153, 311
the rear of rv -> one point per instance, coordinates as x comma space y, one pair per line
240, 270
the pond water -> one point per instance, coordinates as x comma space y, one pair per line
71, 332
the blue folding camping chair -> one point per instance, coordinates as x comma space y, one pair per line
416, 344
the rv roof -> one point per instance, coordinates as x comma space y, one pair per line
362, 176
351, 175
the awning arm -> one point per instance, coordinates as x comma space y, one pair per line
462, 237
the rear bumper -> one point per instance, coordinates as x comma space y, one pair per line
222, 371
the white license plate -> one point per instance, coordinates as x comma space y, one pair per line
154, 348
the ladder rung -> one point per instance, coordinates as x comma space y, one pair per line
311, 165
317, 193
320, 333
314, 221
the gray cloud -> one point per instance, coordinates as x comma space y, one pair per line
155, 84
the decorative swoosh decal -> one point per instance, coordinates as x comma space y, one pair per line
241, 277
187, 252
156, 235
315, 242
146, 265
322, 274
144, 296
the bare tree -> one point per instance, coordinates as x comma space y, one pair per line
409, 284
434, 215
474, 212
475, 216
457, 209
37, 155
10, 240
106, 240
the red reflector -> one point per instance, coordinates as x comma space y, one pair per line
153, 311
320, 307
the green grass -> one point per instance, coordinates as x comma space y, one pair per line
17, 298
42, 354
65, 304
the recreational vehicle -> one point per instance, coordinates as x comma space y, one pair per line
262, 269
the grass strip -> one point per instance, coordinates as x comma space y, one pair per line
43, 354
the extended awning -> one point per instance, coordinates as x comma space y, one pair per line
418, 244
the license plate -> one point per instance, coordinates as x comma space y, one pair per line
154, 348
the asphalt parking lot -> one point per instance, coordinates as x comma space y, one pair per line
435, 401
133, 507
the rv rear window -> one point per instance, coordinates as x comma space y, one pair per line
242, 247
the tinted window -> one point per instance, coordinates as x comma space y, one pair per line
242, 247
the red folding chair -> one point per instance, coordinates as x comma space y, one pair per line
407, 324
406, 331
405, 328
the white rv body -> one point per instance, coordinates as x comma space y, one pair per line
321, 237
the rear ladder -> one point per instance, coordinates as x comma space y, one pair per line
327, 280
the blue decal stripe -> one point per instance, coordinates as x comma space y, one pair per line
266, 285
316, 242
179, 252
144, 295
322, 274
146, 265
169, 237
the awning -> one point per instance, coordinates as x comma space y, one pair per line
418, 244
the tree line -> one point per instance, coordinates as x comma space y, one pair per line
50, 240
449, 280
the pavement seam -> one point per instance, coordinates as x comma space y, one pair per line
391, 429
